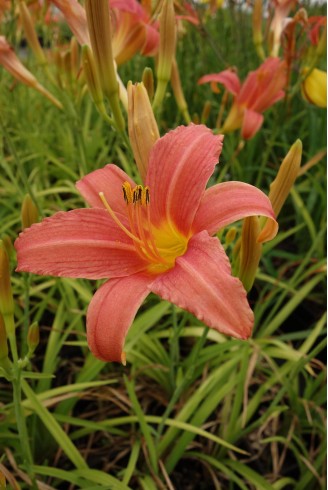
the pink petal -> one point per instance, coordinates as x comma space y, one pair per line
75, 17
201, 282
108, 180
81, 243
225, 203
180, 165
228, 78
111, 313
151, 45
251, 123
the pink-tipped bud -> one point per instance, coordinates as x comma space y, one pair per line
143, 130
29, 212
33, 338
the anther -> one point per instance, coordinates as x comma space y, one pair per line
127, 192
145, 196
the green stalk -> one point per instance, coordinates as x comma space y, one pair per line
17, 399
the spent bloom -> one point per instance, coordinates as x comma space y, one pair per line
261, 89
153, 238
14, 66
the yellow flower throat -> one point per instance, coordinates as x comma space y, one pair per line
158, 246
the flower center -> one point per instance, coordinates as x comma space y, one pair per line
158, 246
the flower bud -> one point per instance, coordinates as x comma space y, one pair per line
30, 33
3, 341
280, 187
230, 236
314, 87
148, 81
143, 130
9, 247
250, 251
33, 338
178, 92
286, 176
100, 31
167, 43
6, 297
92, 76
29, 212
257, 28
206, 112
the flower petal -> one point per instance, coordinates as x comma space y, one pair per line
84, 243
201, 282
180, 165
111, 313
228, 78
251, 123
108, 180
225, 203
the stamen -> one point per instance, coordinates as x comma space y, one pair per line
117, 221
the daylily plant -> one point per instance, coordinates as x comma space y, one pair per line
261, 89
153, 238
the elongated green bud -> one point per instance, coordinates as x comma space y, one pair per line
167, 43
92, 76
100, 31
29, 212
178, 92
250, 251
33, 338
3, 341
30, 33
286, 176
6, 297
148, 81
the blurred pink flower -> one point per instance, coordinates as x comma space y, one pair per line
156, 238
317, 24
281, 11
14, 66
261, 89
133, 31
132, 27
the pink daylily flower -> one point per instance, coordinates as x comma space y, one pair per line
133, 29
157, 238
261, 89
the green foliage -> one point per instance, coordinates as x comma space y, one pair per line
192, 408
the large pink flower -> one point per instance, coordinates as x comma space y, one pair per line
261, 89
155, 238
